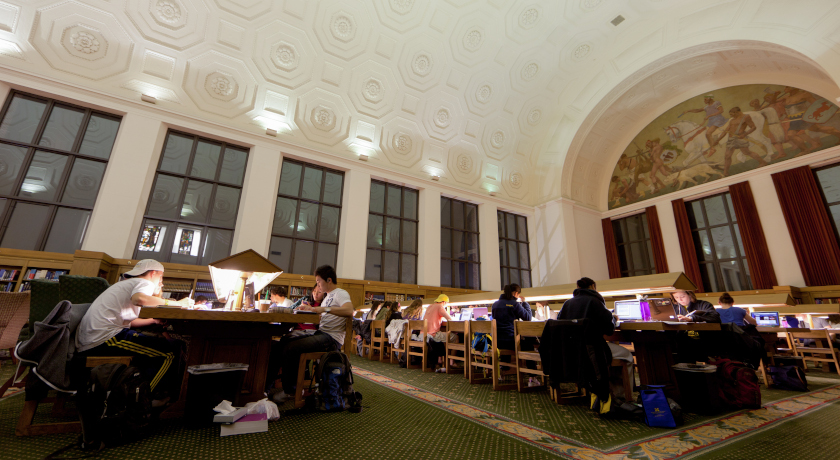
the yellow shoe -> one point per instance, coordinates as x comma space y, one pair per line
605, 406
593, 401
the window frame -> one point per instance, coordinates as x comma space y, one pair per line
320, 202
631, 270
402, 219
169, 238
504, 239
746, 279
451, 230
71, 155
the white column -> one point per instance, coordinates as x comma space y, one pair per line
488, 241
534, 249
259, 197
558, 258
592, 254
428, 238
352, 238
779, 243
4, 91
670, 239
115, 222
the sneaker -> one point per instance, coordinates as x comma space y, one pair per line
440, 370
280, 397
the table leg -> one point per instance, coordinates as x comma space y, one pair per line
654, 360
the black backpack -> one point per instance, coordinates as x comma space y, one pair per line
335, 393
115, 406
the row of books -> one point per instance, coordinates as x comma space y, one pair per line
299, 291
827, 300
8, 275
177, 286
8, 287
204, 286
369, 296
37, 274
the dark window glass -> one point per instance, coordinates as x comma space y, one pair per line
632, 240
307, 216
829, 180
392, 234
720, 253
514, 252
52, 160
460, 256
190, 218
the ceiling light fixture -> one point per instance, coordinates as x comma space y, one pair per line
435, 177
271, 132
617, 20
492, 193
149, 99
363, 157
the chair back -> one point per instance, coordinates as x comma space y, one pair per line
528, 328
416, 325
44, 296
14, 311
81, 289
456, 326
481, 326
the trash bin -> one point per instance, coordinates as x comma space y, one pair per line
699, 388
208, 385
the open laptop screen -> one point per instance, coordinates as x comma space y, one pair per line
628, 310
478, 312
766, 318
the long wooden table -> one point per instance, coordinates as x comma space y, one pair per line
227, 337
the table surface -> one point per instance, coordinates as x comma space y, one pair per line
662, 326
781, 329
225, 315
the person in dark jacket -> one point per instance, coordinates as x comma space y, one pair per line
510, 307
691, 309
695, 346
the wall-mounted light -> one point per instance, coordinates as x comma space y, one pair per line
149, 99
271, 132
435, 177
492, 193
363, 157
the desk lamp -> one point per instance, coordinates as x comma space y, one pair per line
231, 274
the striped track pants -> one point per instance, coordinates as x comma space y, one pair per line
152, 355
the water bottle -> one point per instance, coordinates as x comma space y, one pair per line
645, 307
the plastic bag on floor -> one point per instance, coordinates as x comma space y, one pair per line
264, 406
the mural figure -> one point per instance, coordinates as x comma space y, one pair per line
783, 122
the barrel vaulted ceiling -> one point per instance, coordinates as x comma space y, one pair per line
526, 98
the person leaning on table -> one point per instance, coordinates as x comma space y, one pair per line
688, 308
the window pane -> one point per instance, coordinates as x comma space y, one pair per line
290, 179
829, 180
472, 246
206, 160
618, 232
332, 188
391, 269
68, 229
732, 275
445, 243
377, 197
715, 210
409, 236
83, 183
634, 228
21, 120
409, 269
510, 220
99, 136
724, 245
187, 244
43, 177
644, 225
710, 281
225, 206
703, 246
474, 277
62, 128
25, 226
525, 282
373, 265
151, 240
731, 208
196, 201
11, 159
624, 258
312, 183
524, 262
740, 243
459, 275
694, 210
522, 228
307, 222
500, 223
458, 214
392, 234
446, 273
410, 203
233, 166
217, 245
505, 279
514, 276
394, 201
326, 255
445, 212
503, 260
513, 253
176, 155
374, 235
329, 224
639, 260
166, 196
472, 217
304, 253
285, 213
459, 246
835, 215
280, 252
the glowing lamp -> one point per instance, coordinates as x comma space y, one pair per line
231, 274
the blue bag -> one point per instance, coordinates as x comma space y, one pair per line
657, 410
481, 342
331, 393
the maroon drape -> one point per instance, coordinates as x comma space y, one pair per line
809, 225
689, 255
656, 241
752, 235
611, 249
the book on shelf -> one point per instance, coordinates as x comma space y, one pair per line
24, 286
8, 275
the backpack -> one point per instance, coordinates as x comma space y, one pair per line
738, 384
481, 342
334, 378
788, 378
115, 406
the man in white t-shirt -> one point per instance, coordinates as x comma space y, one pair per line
109, 326
335, 310
278, 297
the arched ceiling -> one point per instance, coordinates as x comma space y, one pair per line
492, 95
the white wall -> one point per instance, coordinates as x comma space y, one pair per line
352, 238
259, 198
779, 243
488, 240
590, 241
557, 246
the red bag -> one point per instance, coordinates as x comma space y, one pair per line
738, 385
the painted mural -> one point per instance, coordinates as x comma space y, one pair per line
720, 134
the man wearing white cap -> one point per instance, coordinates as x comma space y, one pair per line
108, 327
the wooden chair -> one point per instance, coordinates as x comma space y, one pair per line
456, 346
824, 352
385, 355
480, 362
528, 329
417, 327
403, 348
502, 368
377, 340
302, 386
14, 311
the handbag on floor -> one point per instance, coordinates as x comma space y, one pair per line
656, 406
788, 378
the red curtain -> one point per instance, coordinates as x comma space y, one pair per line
656, 241
752, 235
611, 249
810, 226
689, 256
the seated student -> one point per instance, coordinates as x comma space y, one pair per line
730, 314
437, 339
278, 297
510, 307
110, 327
394, 312
386, 307
691, 309
201, 303
335, 310
275, 360
414, 312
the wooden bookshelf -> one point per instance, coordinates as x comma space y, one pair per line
44, 264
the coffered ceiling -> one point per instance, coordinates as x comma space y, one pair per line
511, 96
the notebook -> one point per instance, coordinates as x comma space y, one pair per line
628, 310
767, 318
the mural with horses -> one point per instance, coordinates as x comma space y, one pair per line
719, 134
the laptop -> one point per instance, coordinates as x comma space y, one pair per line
767, 318
662, 310
628, 310
466, 314
478, 312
